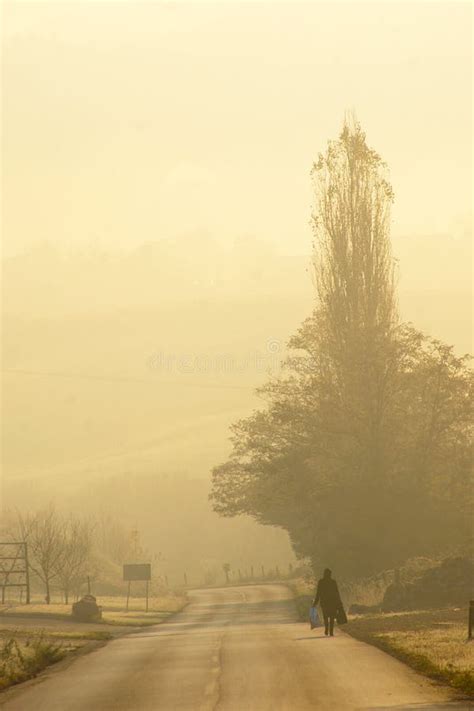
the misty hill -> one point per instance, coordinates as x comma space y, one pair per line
139, 358
49, 281
142, 358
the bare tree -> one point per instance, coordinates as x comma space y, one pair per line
76, 555
45, 533
113, 539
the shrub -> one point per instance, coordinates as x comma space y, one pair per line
18, 664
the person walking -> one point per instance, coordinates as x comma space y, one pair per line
327, 594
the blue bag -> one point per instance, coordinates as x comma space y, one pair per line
313, 617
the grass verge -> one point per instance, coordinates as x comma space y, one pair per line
433, 642
113, 611
22, 660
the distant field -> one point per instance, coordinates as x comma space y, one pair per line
34, 636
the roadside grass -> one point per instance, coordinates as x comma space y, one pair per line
159, 608
93, 635
22, 660
34, 636
26, 634
130, 619
156, 604
114, 611
433, 642
26, 651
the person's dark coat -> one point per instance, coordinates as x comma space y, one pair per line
327, 594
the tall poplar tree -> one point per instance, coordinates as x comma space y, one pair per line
347, 455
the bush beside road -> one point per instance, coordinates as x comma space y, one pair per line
22, 658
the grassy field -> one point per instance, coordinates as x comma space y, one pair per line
32, 637
113, 610
431, 641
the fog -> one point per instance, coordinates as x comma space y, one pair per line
156, 236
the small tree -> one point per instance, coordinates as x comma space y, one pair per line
44, 532
226, 569
76, 555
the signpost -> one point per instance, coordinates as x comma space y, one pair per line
137, 572
470, 623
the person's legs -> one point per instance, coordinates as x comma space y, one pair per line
326, 622
331, 626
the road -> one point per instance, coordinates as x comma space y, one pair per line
232, 649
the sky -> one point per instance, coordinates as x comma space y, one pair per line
125, 122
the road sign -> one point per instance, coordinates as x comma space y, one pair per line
137, 571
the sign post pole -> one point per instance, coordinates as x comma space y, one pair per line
128, 593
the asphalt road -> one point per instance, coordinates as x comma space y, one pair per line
232, 649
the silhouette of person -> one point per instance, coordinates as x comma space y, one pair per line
327, 594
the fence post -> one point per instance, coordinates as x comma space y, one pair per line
470, 623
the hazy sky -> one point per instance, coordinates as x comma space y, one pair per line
127, 121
